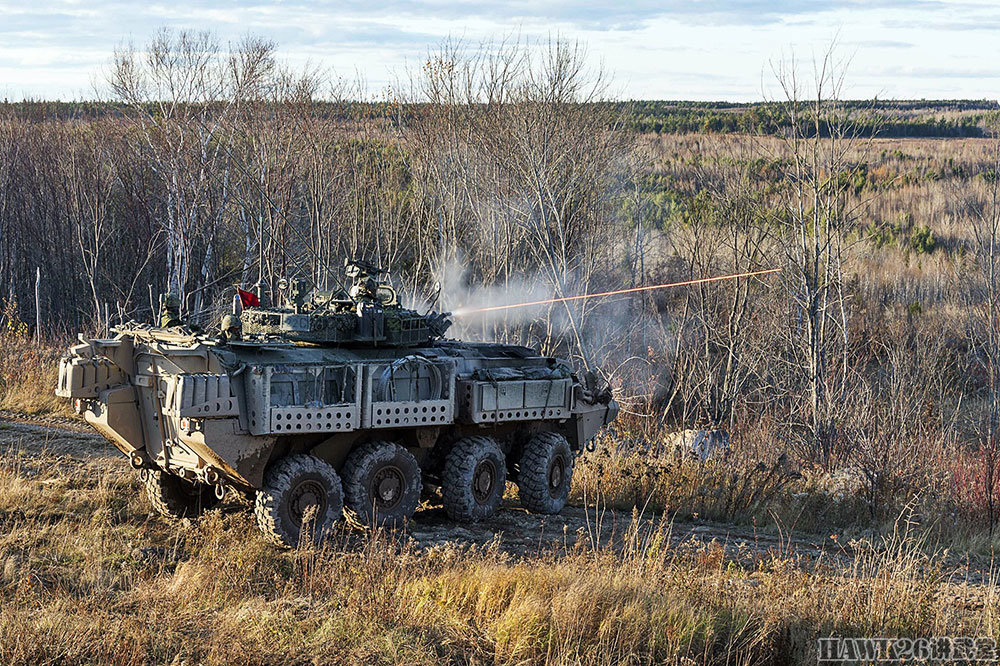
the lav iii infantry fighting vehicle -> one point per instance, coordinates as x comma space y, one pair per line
334, 399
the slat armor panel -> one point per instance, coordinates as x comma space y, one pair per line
514, 400
203, 395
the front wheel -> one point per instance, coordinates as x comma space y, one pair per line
300, 502
173, 497
545, 472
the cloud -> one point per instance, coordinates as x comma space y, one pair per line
881, 44
666, 48
947, 73
988, 24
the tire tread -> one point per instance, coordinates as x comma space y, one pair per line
358, 467
460, 465
279, 479
532, 478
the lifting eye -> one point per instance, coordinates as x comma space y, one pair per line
189, 425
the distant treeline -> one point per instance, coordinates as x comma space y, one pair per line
893, 118
906, 118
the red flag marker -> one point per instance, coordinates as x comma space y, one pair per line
248, 298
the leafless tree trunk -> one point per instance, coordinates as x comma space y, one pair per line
38, 306
814, 218
983, 284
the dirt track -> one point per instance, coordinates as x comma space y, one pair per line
72, 449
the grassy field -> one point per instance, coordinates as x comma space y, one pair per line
89, 575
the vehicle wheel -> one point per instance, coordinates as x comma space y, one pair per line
545, 472
382, 483
473, 480
300, 502
174, 497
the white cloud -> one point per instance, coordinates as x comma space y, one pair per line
673, 49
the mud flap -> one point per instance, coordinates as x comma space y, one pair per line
116, 417
590, 422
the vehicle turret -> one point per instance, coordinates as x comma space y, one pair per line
369, 313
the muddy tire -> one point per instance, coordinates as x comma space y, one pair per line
382, 483
545, 472
473, 479
300, 502
173, 497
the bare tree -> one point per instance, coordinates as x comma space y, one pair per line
814, 218
12, 143
181, 94
519, 150
982, 282
88, 178
723, 231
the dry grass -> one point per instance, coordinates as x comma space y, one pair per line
773, 494
28, 373
89, 576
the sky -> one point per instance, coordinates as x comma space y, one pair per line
671, 49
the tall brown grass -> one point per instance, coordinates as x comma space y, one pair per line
88, 575
28, 374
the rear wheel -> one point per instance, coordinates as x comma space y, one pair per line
545, 472
300, 502
382, 483
473, 480
174, 497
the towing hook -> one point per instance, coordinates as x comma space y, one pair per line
211, 475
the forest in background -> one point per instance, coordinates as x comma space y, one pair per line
509, 173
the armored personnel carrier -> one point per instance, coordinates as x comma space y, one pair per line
331, 400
